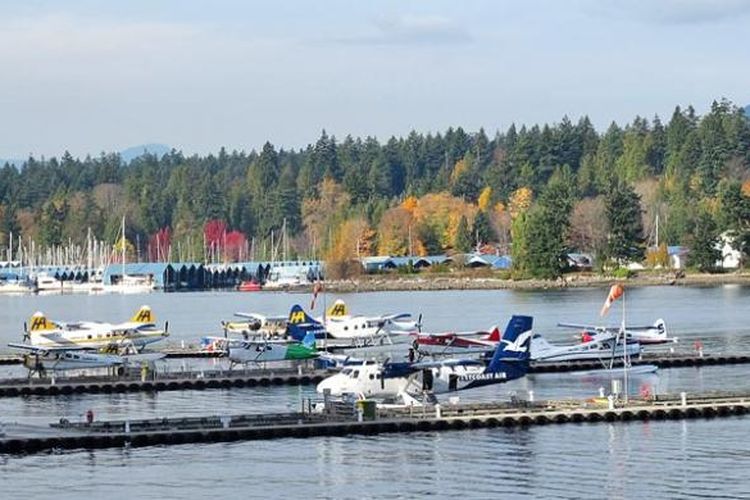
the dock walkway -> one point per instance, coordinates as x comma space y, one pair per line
305, 424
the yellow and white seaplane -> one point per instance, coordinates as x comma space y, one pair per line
367, 330
138, 332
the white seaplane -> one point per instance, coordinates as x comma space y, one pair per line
60, 358
256, 325
646, 335
259, 351
404, 379
139, 331
601, 347
366, 330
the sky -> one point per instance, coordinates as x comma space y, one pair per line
88, 76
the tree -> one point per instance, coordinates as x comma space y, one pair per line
481, 230
623, 210
547, 226
705, 252
463, 236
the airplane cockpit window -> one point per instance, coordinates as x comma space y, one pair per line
372, 377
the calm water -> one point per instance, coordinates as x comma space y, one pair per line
649, 460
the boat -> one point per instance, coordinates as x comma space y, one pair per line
16, 284
47, 283
249, 286
128, 283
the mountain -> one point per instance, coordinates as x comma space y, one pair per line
747, 110
134, 152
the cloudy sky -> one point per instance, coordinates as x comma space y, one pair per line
91, 76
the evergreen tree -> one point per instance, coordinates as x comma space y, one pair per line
482, 231
463, 236
705, 253
547, 225
625, 239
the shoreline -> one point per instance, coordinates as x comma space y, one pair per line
426, 282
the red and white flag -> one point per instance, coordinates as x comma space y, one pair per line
317, 288
614, 293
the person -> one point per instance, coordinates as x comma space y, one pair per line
411, 355
586, 337
89, 416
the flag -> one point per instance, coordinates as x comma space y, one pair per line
317, 288
614, 293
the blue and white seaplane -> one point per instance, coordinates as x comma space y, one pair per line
371, 379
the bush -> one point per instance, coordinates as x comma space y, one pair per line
623, 273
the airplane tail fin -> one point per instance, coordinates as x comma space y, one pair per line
40, 323
337, 310
514, 344
144, 315
494, 334
661, 327
300, 324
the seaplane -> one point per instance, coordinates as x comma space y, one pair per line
451, 343
139, 331
256, 325
371, 379
256, 351
646, 335
603, 346
365, 330
59, 358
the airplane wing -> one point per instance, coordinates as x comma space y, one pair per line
34, 348
397, 317
598, 328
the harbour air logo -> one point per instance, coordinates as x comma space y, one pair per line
39, 323
338, 309
297, 317
144, 316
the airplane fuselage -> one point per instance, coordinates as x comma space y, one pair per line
98, 335
263, 352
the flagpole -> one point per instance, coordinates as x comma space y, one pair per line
624, 349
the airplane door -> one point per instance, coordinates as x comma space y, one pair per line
453, 382
427, 380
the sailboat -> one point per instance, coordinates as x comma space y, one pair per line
129, 283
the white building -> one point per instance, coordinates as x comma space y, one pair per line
730, 257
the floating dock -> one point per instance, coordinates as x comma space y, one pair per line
225, 379
332, 421
212, 379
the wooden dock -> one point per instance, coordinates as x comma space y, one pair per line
20, 439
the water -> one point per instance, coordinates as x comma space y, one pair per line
650, 460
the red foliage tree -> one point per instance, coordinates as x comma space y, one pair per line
214, 232
159, 245
234, 246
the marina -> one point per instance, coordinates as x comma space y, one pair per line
189, 402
